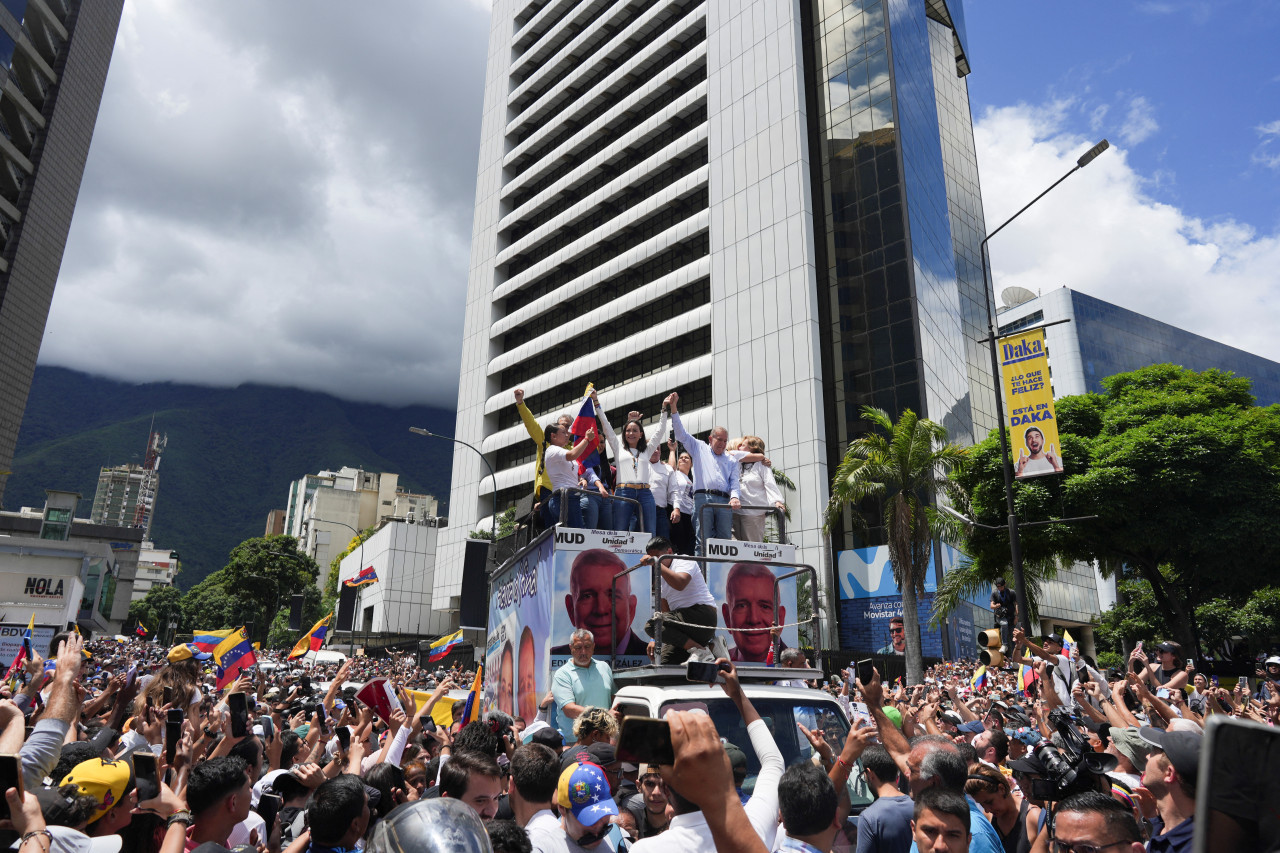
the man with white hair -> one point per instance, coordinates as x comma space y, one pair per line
715, 477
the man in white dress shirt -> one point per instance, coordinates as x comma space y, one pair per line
715, 478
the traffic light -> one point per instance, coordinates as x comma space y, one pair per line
989, 643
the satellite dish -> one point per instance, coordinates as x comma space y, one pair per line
1015, 296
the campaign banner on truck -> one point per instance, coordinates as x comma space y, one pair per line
1028, 396
742, 583
582, 596
516, 663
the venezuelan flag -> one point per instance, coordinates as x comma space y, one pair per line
141, 630
208, 641
24, 653
471, 710
979, 678
585, 420
313, 639
367, 575
1026, 677
233, 655
440, 649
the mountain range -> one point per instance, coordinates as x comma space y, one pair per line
231, 455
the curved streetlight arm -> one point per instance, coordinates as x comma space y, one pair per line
429, 434
1015, 543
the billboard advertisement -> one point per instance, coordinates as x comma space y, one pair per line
1033, 429
742, 582
516, 671
871, 606
11, 640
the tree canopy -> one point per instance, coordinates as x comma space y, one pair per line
1183, 472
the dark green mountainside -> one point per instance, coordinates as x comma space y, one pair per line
231, 456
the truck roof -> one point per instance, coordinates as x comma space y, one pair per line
688, 692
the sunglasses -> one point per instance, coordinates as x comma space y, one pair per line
897, 630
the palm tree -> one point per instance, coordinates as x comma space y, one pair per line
903, 466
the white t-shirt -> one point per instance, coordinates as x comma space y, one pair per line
695, 592
1038, 466
562, 471
659, 473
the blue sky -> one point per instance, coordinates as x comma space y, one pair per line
1185, 87
259, 173
1180, 219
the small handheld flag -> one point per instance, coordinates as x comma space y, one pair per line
367, 575
440, 649
585, 420
141, 630
979, 678
24, 653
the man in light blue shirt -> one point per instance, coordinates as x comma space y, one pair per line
715, 478
583, 682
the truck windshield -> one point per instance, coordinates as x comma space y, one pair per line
782, 717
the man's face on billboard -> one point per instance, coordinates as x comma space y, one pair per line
505, 672
590, 603
527, 693
898, 634
749, 604
1035, 441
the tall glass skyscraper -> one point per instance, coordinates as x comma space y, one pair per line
770, 206
54, 56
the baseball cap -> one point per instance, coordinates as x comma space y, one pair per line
187, 651
576, 754
1167, 647
602, 754
1131, 745
584, 791
1181, 748
737, 758
1054, 638
1274, 660
104, 779
895, 717
972, 727
1028, 764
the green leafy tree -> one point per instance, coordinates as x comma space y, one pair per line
264, 572
161, 603
903, 465
209, 606
312, 610
507, 524
1183, 472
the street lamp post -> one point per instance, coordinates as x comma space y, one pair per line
421, 431
1015, 543
351, 646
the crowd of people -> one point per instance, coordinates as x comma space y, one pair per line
973, 759
666, 472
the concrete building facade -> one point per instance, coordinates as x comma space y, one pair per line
769, 207
400, 603
54, 56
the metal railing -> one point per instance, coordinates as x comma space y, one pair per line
564, 504
773, 510
656, 592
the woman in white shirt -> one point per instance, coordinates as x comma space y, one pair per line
757, 488
633, 457
659, 478
680, 496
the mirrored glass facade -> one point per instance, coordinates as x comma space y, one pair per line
898, 217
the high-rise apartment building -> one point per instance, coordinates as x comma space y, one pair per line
770, 206
54, 56
326, 510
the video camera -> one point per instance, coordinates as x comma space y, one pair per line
1071, 769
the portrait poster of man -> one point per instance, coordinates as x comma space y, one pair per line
517, 671
1033, 425
742, 586
586, 562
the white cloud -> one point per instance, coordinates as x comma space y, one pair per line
1100, 233
1268, 151
279, 193
1139, 122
